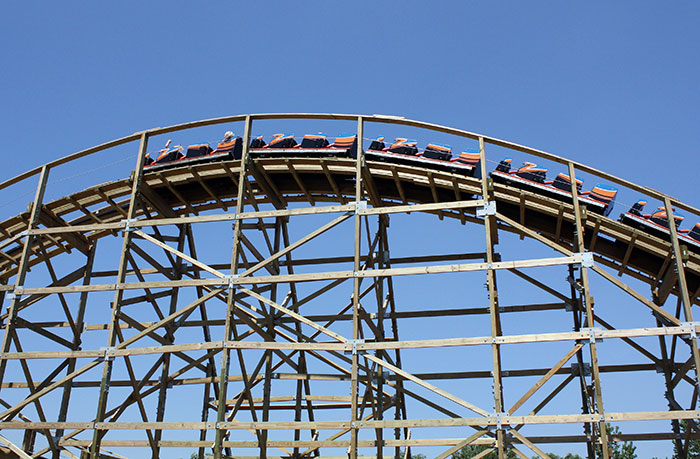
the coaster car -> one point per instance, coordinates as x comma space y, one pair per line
471, 159
282, 141
312, 145
405, 151
656, 223
314, 141
165, 156
233, 148
437, 151
534, 178
404, 146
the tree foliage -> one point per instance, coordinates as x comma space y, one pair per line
470, 451
693, 444
618, 449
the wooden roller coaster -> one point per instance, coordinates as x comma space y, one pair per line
93, 358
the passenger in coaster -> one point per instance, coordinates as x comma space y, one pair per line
167, 155
531, 171
230, 144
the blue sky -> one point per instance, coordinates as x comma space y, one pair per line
613, 85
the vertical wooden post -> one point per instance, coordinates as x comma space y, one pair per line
118, 294
23, 267
590, 320
683, 285
165, 367
585, 399
356, 291
228, 324
490, 228
77, 338
380, 334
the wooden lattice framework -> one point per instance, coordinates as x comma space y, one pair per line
367, 358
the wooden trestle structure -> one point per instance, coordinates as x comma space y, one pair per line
86, 396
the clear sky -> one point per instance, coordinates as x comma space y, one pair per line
613, 85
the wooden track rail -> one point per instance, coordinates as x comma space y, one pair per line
262, 352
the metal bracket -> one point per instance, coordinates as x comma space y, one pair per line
591, 333
127, 224
360, 205
499, 420
354, 343
488, 209
230, 278
691, 325
586, 259
106, 357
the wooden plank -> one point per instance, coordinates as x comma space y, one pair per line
300, 183
332, 183
363, 424
628, 253
682, 284
14, 448
176, 252
467, 441
422, 207
427, 385
399, 186
544, 378
293, 314
290, 247
529, 444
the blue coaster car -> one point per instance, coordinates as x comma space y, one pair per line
404, 147
314, 141
437, 151
656, 223
534, 178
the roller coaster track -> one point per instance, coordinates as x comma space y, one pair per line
264, 196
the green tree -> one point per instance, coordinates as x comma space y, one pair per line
556, 456
413, 456
693, 444
618, 449
470, 451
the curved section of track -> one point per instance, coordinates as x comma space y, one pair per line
191, 189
